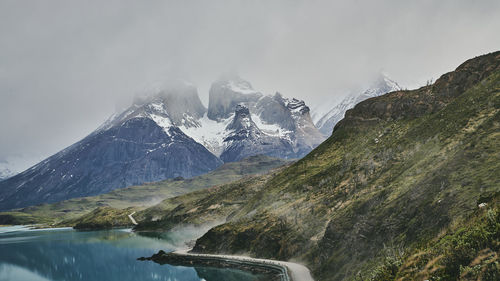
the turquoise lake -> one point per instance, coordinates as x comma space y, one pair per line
66, 254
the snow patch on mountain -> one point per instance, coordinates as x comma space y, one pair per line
163, 121
240, 86
321, 109
270, 129
5, 173
209, 133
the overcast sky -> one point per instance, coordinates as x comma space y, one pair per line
66, 65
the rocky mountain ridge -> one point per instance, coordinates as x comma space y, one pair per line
273, 125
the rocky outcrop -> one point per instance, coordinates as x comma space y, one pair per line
246, 139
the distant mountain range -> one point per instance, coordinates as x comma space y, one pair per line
169, 133
140, 145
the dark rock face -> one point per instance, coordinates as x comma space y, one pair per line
273, 110
182, 102
135, 151
242, 120
246, 139
466, 75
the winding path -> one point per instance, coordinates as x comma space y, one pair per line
132, 218
296, 272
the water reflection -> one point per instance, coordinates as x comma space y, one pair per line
13, 272
66, 254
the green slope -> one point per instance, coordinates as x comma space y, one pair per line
467, 250
206, 206
397, 172
67, 212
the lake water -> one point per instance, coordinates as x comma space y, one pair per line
66, 254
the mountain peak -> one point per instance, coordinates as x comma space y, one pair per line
236, 84
228, 92
296, 105
174, 102
241, 110
381, 85
242, 119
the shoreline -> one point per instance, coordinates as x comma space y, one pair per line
284, 271
33, 227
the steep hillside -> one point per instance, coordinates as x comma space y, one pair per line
467, 250
207, 206
398, 170
139, 197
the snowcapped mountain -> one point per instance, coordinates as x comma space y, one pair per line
166, 134
244, 138
241, 122
382, 85
142, 144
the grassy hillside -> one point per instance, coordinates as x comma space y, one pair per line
398, 171
139, 197
467, 250
203, 206
103, 218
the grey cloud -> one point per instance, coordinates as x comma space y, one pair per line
65, 65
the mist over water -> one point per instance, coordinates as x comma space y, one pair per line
182, 237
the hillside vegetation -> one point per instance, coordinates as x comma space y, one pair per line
390, 195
